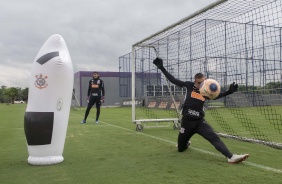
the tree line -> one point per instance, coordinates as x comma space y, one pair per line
269, 88
11, 94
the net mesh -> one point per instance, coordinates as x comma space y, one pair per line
230, 41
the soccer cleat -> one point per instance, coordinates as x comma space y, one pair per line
83, 121
237, 158
188, 144
97, 122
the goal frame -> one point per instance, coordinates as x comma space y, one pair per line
137, 45
232, 41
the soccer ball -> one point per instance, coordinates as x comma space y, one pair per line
210, 88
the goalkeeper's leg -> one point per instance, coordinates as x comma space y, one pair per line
98, 105
90, 104
185, 133
206, 131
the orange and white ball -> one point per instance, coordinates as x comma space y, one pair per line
210, 88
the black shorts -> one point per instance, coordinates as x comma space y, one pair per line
94, 100
201, 127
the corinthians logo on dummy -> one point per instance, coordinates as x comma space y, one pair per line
40, 82
210, 88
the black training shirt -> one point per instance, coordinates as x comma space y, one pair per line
194, 102
96, 88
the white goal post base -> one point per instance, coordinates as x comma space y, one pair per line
48, 160
273, 144
139, 127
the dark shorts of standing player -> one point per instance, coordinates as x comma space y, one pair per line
94, 100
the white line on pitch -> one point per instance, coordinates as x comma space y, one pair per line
197, 149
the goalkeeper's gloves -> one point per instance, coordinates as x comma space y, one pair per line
87, 99
158, 62
232, 88
102, 99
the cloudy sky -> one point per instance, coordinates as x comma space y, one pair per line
97, 32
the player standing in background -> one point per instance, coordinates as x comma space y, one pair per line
95, 95
193, 115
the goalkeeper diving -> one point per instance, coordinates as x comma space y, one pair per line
193, 121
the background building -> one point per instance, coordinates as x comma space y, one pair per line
117, 86
111, 80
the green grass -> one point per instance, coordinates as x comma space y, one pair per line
113, 152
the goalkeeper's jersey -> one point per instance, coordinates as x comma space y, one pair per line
96, 88
193, 106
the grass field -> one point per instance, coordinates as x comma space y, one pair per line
113, 152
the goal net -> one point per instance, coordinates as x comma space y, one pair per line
230, 41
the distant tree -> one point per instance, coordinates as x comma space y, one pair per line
12, 94
25, 94
2, 94
273, 85
241, 88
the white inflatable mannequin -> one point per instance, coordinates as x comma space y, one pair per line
49, 100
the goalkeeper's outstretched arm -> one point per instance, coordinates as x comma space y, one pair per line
159, 63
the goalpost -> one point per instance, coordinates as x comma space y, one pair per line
230, 41
75, 105
156, 95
